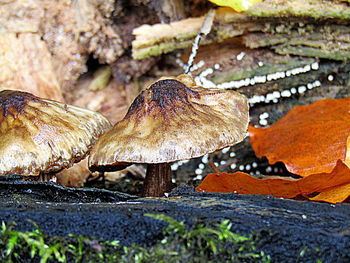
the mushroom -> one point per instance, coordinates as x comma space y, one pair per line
39, 136
171, 120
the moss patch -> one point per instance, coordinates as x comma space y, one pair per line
178, 243
313, 8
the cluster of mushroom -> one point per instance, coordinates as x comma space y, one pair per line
171, 120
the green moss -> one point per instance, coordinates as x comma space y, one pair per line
335, 54
178, 243
329, 42
319, 9
161, 48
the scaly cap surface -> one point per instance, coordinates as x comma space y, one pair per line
41, 136
173, 120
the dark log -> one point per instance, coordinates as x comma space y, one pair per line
287, 230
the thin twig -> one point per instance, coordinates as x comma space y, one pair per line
213, 167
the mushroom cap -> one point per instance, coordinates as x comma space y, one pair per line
171, 120
41, 136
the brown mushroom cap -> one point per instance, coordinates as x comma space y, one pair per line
41, 136
173, 120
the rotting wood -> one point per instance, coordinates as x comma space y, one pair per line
26, 64
301, 19
66, 32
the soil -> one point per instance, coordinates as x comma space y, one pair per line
288, 230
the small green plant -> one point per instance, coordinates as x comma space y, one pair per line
179, 243
18, 246
212, 244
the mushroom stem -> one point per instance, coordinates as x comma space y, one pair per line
158, 180
103, 177
44, 177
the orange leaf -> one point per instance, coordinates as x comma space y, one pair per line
243, 183
334, 194
347, 157
309, 139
